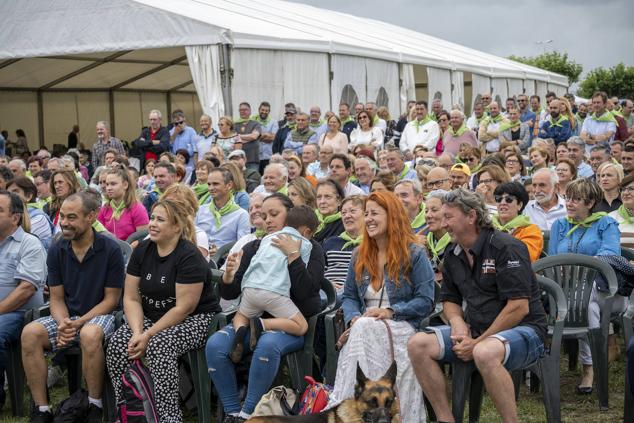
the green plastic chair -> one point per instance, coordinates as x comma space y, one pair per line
628, 332
15, 373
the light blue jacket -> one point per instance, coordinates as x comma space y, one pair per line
602, 238
269, 267
411, 300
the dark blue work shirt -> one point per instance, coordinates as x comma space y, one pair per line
84, 283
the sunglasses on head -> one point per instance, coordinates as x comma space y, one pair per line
508, 199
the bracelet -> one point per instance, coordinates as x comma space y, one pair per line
293, 252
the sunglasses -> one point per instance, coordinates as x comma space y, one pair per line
508, 199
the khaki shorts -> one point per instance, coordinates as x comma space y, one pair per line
256, 301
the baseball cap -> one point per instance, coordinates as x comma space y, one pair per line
236, 153
291, 109
461, 167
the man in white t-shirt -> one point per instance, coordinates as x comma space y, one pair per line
421, 131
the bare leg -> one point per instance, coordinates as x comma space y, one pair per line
239, 320
423, 352
34, 342
488, 356
296, 325
92, 358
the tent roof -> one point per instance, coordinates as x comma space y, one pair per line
138, 44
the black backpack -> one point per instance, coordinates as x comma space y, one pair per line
137, 404
73, 409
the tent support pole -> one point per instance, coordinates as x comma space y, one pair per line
111, 111
168, 98
40, 117
226, 74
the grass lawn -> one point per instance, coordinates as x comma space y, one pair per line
574, 408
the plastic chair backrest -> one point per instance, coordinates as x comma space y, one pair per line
331, 295
126, 249
222, 253
628, 253
546, 235
137, 236
575, 274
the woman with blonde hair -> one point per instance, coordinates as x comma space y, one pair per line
123, 214
539, 158
334, 137
609, 176
566, 172
383, 181
300, 191
240, 195
63, 184
566, 110
227, 139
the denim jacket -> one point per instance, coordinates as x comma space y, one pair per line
411, 301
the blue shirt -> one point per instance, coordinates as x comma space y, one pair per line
584, 170
559, 133
602, 238
266, 148
411, 300
186, 140
23, 259
3, 145
84, 283
233, 226
298, 146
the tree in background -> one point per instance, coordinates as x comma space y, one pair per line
617, 80
554, 62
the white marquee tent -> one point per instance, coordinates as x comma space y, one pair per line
64, 62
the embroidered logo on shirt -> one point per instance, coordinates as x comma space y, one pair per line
488, 267
511, 264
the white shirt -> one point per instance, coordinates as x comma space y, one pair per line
545, 219
374, 136
352, 189
627, 230
426, 135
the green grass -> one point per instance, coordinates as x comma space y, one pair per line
574, 408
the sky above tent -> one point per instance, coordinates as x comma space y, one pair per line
593, 33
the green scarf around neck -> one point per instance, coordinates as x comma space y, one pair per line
200, 190
346, 120
317, 124
504, 126
283, 190
239, 120
323, 221
260, 233
518, 221
419, 220
557, 122
605, 117
586, 223
420, 123
117, 209
229, 207
350, 241
625, 214
497, 119
437, 247
463, 128
36, 205
264, 122
403, 172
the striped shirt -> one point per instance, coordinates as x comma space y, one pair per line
337, 261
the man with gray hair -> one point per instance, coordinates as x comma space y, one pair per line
576, 153
18, 168
364, 169
104, 143
182, 136
503, 327
547, 206
458, 133
410, 192
275, 179
154, 139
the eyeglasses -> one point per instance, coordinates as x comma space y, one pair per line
179, 123
486, 98
362, 117
628, 190
512, 161
574, 200
508, 199
470, 159
486, 181
436, 183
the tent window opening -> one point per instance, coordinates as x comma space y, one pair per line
349, 95
498, 100
382, 99
438, 96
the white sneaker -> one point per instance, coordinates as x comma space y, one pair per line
54, 377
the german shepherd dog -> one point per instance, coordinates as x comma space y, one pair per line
373, 402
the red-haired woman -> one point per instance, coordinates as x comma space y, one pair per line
390, 278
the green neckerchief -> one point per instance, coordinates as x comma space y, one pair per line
350, 241
260, 233
200, 190
518, 221
375, 120
509, 125
203, 199
229, 207
36, 205
240, 120
117, 209
323, 221
419, 220
98, 227
291, 125
616, 113
538, 112
436, 247
605, 117
463, 128
403, 172
346, 120
558, 121
157, 190
283, 190
496, 119
419, 123
264, 122
585, 222
579, 119
316, 124
433, 116
625, 214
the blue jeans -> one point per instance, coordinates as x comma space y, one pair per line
10, 329
523, 346
264, 365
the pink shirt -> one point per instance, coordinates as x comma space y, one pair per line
130, 219
452, 144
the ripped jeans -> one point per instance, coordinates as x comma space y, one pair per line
264, 365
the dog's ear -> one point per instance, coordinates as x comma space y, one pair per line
361, 378
391, 373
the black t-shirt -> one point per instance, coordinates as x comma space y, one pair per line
159, 276
331, 229
501, 271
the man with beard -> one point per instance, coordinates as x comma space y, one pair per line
269, 128
104, 143
580, 116
627, 159
85, 276
556, 126
547, 205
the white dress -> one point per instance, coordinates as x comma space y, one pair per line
369, 346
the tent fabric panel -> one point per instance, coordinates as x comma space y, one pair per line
34, 73
529, 87
347, 70
480, 85
204, 62
156, 54
557, 89
60, 114
91, 108
541, 89
439, 83
164, 79
457, 91
408, 87
382, 74
18, 110
306, 80
128, 115
516, 87
105, 75
500, 91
